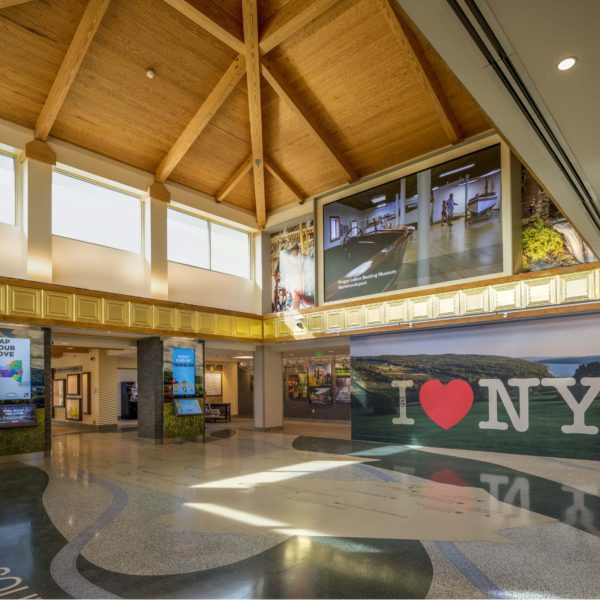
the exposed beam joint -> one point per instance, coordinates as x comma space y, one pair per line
292, 17
78, 48
412, 50
250, 15
224, 35
275, 81
290, 185
232, 182
202, 118
7, 3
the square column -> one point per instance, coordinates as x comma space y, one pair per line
155, 215
268, 389
37, 209
150, 388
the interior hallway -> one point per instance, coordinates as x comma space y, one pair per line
274, 515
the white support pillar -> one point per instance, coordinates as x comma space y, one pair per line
37, 209
155, 213
268, 389
423, 225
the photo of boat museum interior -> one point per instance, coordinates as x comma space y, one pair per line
299, 299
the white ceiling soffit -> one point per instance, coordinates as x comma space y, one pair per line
505, 53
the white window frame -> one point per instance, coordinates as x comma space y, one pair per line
109, 185
17, 220
210, 222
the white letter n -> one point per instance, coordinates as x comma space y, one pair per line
520, 421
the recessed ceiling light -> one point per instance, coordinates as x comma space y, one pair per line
566, 63
150, 73
243, 357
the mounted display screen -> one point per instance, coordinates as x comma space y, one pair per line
184, 372
185, 407
17, 415
438, 225
15, 368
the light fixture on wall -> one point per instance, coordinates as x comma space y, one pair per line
566, 63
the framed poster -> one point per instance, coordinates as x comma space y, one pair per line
86, 393
73, 384
73, 409
213, 381
58, 393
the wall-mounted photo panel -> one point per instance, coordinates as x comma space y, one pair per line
438, 225
320, 383
549, 240
293, 267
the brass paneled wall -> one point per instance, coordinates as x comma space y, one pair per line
502, 296
45, 304
40, 303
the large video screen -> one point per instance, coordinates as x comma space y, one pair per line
15, 369
184, 372
438, 225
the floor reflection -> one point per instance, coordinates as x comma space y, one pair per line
564, 503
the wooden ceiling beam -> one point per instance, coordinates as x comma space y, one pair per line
221, 33
232, 182
76, 52
201, 119
7, 3
276, 82
412, 50
290, 185
290, 19
250, 15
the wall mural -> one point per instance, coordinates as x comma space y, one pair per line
549, 240
22, 391
439, 225
529, 387
293, 267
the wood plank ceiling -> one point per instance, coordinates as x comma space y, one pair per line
259, 104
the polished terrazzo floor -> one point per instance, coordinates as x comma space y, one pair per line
281, 515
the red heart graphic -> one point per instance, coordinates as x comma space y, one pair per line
447, 404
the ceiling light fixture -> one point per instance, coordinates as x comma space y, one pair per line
470, 166
378, 199
566, 63
243, 357
150, 73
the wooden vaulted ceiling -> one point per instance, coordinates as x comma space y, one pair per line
259, 104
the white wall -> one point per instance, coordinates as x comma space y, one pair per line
94, 267
12, 251
209, 288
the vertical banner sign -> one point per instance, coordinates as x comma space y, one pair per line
15, 369
184, 372
528, 387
